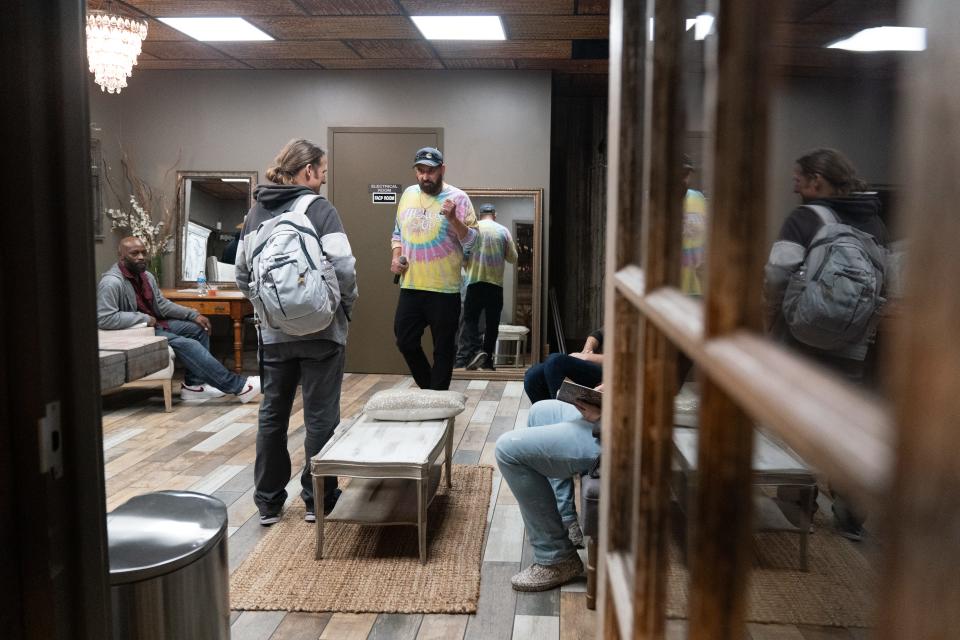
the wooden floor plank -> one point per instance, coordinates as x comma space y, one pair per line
773, 632
824, 633
576, 621
440, 626
494, 617
349, 626
256, 625
536, 627
300, 625
505, 541
396, 626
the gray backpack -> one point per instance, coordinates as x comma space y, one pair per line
293, 286
832, 301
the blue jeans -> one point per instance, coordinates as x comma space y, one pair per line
542, 381
192, 345
537, 463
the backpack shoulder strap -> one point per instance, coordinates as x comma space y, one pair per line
303, 203
826, 214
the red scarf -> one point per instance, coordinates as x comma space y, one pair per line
143, 291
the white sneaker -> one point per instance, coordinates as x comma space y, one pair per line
199, 392
251, 389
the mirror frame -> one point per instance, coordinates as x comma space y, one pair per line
476, 194
182, 177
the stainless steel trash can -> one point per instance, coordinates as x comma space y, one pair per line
168, 567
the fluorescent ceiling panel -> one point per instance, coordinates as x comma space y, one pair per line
217, 29
234, 180
460, 27
885, 39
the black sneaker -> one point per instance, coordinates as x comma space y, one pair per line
269, 519
488, 365
477, 361
310, 516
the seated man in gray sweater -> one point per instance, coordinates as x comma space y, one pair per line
128, 295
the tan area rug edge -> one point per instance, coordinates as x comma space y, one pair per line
374, 569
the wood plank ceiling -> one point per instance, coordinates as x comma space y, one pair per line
541, 35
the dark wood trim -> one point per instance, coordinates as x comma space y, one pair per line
921, 588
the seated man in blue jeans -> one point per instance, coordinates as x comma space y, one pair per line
542, 381
537, 463
128, 295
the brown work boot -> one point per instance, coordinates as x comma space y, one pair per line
539, 577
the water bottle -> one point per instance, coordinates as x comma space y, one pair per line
201, 284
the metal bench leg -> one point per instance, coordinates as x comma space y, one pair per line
318, 510
423, 500
449, 453
591, 573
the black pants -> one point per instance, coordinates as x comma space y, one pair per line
417, 310
316, 365
487, 299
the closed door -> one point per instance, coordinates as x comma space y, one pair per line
359, 159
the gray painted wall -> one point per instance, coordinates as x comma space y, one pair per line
496, 124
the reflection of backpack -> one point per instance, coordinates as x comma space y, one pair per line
293, 286
832, 301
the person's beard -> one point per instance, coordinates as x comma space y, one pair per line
136, 267
430, 188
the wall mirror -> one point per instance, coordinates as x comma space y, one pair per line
521, 212
211, 206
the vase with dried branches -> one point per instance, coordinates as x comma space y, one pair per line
148, 216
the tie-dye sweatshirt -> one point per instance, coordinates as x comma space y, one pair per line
428, 241
494, 246
694, 242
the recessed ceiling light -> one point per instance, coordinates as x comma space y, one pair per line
217, 29
460, 27
885, 39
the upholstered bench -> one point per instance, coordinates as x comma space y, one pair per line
516, 334
136, 357
391, 453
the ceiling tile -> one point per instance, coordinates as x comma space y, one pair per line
159, 32
338, 27
564, 66
183, 8
350, 7
479, 63
380, 64
191, 64
486, 7
282, 64
182, 51
556, 27
398, 49
499, 49
287, 49
593, 7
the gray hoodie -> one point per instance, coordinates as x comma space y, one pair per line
117, 302
273, 200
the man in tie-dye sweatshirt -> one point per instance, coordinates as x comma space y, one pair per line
435, 228
484, 280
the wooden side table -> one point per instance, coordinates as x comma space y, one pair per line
393, 469
223, 303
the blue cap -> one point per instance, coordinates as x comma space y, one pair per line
487, 208
428, 156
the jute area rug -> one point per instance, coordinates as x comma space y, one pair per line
373, 569
838, 590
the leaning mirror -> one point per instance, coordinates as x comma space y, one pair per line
211, 206
519, 211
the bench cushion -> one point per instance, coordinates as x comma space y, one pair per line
407, 405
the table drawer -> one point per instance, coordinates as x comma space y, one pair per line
208, 307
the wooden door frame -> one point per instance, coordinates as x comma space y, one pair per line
898, 461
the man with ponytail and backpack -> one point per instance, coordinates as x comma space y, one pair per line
295, 264
824, 281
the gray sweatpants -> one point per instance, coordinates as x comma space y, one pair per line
317, 365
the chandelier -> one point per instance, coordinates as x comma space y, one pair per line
113, 44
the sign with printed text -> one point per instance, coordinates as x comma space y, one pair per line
384, 198
386, 188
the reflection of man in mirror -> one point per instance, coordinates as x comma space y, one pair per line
435, 228
484, 279
128, 296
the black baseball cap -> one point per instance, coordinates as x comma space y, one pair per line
487, 208
428, 156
